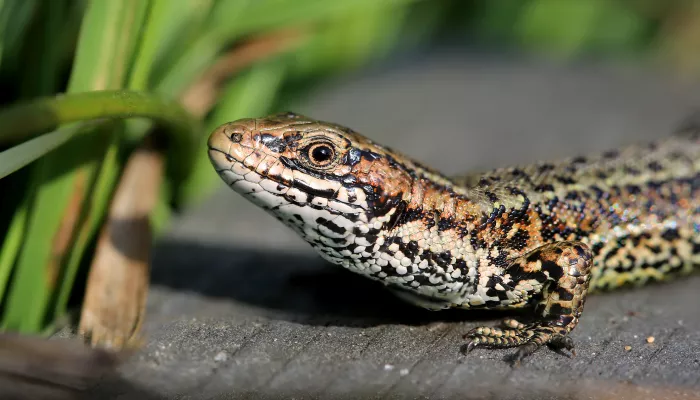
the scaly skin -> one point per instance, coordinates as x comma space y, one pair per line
540, 236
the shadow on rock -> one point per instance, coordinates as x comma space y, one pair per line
293, 286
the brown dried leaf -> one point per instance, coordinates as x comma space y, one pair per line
117, 287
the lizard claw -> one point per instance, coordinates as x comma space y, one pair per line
471, 346
468, 347
561, 343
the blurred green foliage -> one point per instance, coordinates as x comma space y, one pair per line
51, 210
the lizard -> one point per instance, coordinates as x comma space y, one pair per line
536, 237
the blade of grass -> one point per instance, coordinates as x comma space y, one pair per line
274, 14
177, 25
11, 245
15, 16
147, 48
97, 204
28, 292
63, 179
29, 119
37, 77
201, 52
29, 295
234, 19
350, 40
21, 155
167, 20
107, 41
42, 60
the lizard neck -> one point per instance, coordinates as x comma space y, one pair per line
419, 236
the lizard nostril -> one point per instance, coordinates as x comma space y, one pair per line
236, 137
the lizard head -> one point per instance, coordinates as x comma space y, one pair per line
325, 181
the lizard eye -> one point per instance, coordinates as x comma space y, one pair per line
320, 154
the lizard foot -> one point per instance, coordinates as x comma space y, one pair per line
527, 338
563, 271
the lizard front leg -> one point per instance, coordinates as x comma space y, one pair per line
556, 277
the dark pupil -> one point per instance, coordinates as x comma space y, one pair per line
321, 153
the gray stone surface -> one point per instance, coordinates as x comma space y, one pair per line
240, 307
